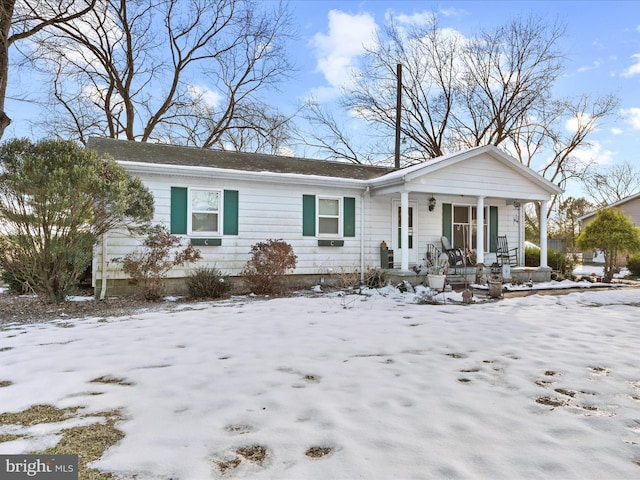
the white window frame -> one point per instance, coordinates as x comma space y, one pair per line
340, 216
205, 233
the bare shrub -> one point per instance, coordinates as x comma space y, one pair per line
149, 267
375, 278
348, 278
270, 260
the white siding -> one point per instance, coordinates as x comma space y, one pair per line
484, 176
266, 211
269, 210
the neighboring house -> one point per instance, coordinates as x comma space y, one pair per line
629, 206
334, 214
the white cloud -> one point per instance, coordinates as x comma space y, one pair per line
322, 94
574, 123
631, 116
422, 18
633, 69
594, 65
337, 49
452, 12
617, 131
210, 98
425, 17
594, 152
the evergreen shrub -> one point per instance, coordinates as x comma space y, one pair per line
555, 259
633, 264
207, 282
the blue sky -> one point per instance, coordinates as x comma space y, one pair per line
602, 44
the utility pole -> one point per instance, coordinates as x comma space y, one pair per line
398, 113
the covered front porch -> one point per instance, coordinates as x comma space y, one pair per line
480, 230
465, 202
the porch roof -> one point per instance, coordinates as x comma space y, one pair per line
480, 171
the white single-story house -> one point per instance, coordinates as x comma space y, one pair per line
335, 215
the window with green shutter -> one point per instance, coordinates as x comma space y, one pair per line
198, 211
204, 211
328, 216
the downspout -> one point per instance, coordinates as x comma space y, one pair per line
103, 269
362, 210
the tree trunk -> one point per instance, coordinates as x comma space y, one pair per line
6, 12
610, 257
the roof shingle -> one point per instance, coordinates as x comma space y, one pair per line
126, 150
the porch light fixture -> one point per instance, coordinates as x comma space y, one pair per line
432, 204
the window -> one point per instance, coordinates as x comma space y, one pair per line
329, 218
204, 211
400, 227
214, 209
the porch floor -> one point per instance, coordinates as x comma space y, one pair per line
463, 276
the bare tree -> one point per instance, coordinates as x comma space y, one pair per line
565, 224
256, 129
21, 20
607, 185
148, 69
546, 134
430, 81
491, 89
327, 134
508, 74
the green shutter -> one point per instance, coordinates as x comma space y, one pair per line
230, 206
349, 217
493, 229
309, 215
447, 221
178, 210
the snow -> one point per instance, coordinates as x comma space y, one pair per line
394, 387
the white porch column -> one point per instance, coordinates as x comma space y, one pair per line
404, 230
480, 230
544, 208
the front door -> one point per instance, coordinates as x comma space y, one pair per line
397, 235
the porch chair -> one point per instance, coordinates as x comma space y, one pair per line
456, 255
506, 255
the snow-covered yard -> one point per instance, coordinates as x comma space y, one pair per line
370, 386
